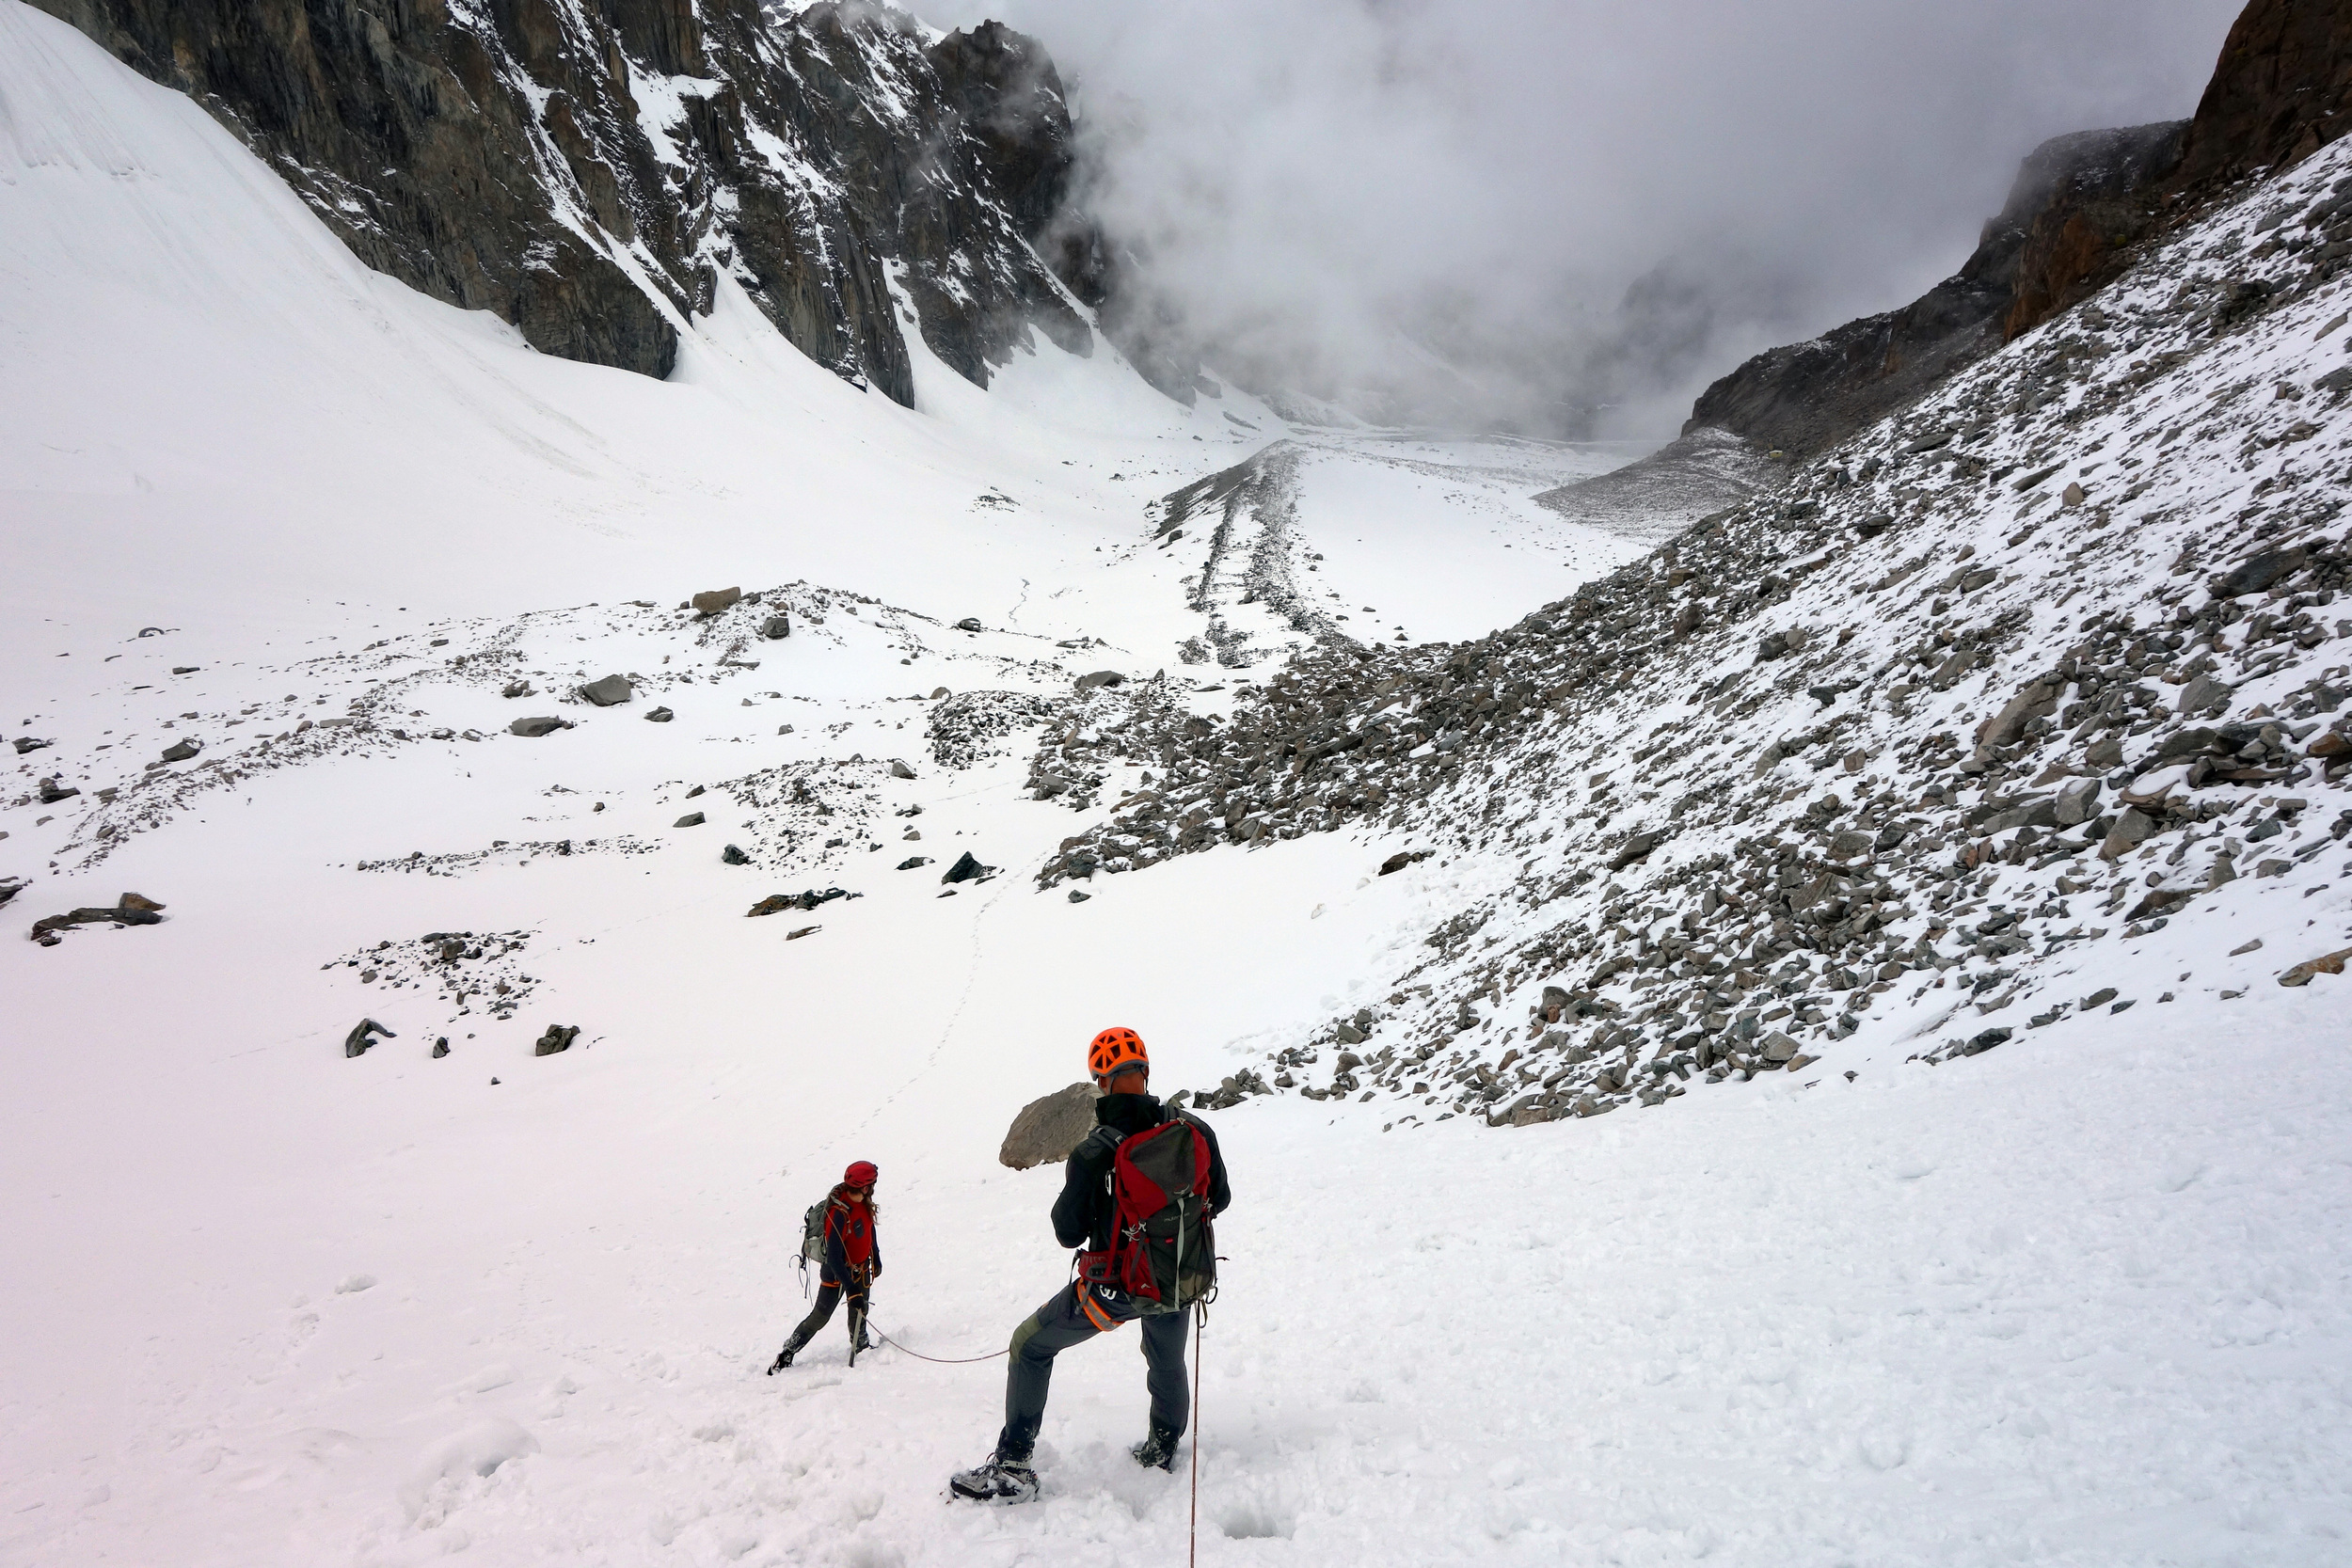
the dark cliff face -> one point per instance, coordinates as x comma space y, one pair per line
2077, 199
2081, 207
587, 170
2279, 92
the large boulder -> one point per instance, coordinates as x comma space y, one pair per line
609, 691
1047, 1129
714, 600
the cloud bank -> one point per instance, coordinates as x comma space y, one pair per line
1562, 216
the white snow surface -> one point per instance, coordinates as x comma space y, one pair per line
2081, 1300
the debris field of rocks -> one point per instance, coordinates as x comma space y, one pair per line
2047, 659
2045, 662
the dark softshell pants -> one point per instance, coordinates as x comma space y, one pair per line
827, 1297
1062, 1322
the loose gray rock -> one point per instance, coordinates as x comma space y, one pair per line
1049, 1129
692, 820
357, 1042
1079, 896
659, 716
966, 869
899, 769
2077, 803
2203, 695
516, 689
1100, 677
531, 729
912, 861
181, 751
50, 792
715, 600
558, 1037
2131, 830
609, 692
440, 1047
970, 623
776, 628
731, 855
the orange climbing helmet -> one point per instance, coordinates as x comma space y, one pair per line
1114, 1049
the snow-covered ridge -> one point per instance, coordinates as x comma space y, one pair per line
2025, 702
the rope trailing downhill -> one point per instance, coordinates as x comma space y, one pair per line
940, 1360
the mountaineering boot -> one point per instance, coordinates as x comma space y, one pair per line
1004, 1479
784, 1356
1157, 1452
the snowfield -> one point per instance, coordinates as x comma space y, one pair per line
2079, 1300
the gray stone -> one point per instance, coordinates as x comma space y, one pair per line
1078, 897
732, 855
1047, 1129
715, 600
558, 1037
609, 692
531, 729
440, 1047
516, 689
970, 623
181, 751
912, 862
2131, 830
1778, 1047
776, 628
1100, 677
1985, 1041
357, 1042
2078, 802
659, 716
966, 869
692, 820
2204, 695
2259, 572
899, 769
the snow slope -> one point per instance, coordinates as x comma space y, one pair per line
2077, 1303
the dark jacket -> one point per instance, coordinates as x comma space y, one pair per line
1083, 1213
853, 1242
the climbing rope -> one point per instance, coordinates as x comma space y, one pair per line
1200, 1317
941, 1360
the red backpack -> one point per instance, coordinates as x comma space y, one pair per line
1162, 1253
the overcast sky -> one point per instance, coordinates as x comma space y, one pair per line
1326, 184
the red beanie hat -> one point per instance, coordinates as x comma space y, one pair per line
860, 1174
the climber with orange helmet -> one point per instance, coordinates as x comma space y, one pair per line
1138, 1194
847, 1232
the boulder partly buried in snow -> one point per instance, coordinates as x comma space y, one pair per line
1047, 1129
531, 729
609, 691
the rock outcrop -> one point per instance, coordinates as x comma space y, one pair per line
2078, 201
2081, 208
590, 173
1048, 1129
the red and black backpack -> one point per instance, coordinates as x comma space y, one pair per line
1162, 1254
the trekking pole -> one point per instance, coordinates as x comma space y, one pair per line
1201, 1316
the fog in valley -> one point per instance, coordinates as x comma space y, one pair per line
1566, 217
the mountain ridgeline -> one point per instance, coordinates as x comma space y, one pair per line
589, 170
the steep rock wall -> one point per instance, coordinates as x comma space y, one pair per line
585, 169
